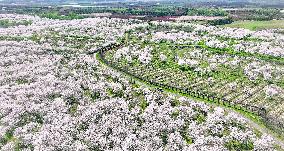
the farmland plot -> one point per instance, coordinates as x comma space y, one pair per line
55, 96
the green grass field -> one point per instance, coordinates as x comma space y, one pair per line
258, 25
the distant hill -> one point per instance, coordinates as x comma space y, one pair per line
110, 1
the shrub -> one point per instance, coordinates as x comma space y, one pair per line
237, 145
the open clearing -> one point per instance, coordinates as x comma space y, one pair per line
258, 25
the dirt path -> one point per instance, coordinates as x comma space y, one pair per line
262, 130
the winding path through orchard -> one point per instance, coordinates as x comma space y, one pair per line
251, 119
